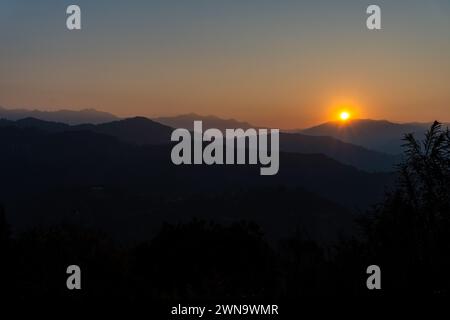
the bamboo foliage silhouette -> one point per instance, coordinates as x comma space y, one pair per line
425, 173
411, 228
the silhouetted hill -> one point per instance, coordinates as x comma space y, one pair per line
65, 116
187, 120
138, 130
378, 135
36, 123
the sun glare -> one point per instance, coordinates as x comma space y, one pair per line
344, 115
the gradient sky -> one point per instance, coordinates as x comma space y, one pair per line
281, 63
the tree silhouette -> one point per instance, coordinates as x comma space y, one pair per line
426, 171
409, 233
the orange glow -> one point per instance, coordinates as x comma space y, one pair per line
344, 109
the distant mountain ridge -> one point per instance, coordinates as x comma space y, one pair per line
66, 116
380, 135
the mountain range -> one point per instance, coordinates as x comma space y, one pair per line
66, 116
98, 180
143, 131
118, 176
314, 170
379, 135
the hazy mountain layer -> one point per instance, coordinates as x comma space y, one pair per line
380, 135
65, 116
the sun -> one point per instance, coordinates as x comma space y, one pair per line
344, 115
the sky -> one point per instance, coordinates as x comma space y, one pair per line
284, 63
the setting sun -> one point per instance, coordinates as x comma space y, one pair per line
344, 115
